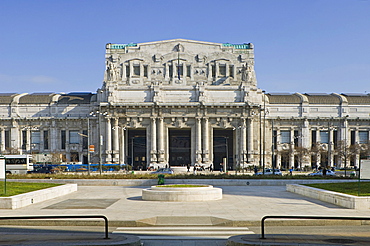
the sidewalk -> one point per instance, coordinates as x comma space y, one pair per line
240, 206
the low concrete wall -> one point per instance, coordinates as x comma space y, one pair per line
29, 198
188, 194
340, 199
214, 182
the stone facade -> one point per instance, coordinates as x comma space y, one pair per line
179, 102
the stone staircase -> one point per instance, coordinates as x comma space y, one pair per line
183, 232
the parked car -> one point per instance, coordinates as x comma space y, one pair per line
320, 173
270, 171
163, 171
43, 169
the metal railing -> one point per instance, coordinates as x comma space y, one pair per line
304, 217
62, 217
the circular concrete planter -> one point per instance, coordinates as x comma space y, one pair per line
176, 194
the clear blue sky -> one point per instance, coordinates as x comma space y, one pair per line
300, 45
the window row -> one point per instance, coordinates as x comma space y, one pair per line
284, 137
220, 70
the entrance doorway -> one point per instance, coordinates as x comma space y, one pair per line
136, 155
223, 148
179, 147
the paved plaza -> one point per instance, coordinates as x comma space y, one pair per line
241, 206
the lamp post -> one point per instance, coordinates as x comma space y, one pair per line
345, 145
88, 145
264, 131
99, 114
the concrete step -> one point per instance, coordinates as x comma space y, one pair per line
188, 232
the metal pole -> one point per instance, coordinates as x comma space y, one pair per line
272, 147
132, 152
264, 132
88, 146
100, 141
260, 160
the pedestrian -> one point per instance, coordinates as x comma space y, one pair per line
291, 171
255, 170
211, 168
188, 167
195, 170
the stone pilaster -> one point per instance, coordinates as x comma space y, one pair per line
153, 150
108, 142
198, 141
205, 141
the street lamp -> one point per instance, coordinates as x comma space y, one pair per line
99, 114
264, 131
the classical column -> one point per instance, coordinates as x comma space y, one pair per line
205, 140
116, 139
217, 69
122, 145
330, 147
250, 139
191, 72
291, 155
243, 143
198, 141
108, 142
2, 141
161, 138
209, 75
28, 139
124, 75
131, 64
141, 69
53, 137
167, 72
148, 72
153, 151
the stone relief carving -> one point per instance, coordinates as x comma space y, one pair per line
178, 48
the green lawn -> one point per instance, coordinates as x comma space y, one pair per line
16, 188
346, 188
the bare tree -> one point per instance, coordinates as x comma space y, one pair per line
301, 153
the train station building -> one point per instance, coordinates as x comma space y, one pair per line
179, 102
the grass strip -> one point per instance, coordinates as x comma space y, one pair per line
352, 188
16, 188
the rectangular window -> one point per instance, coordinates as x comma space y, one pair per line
35, 137
170, 71
136, 70
7, 139
231, 71
353, 137
24, 139
296, 138
179, 70
324, 137
84, 139
146, 71
127, 71
284, 137
46, 139
188, 71
313, 138
213, 71
74, 138
222, 68
335, 138
63, 139
274, 140
363, 137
